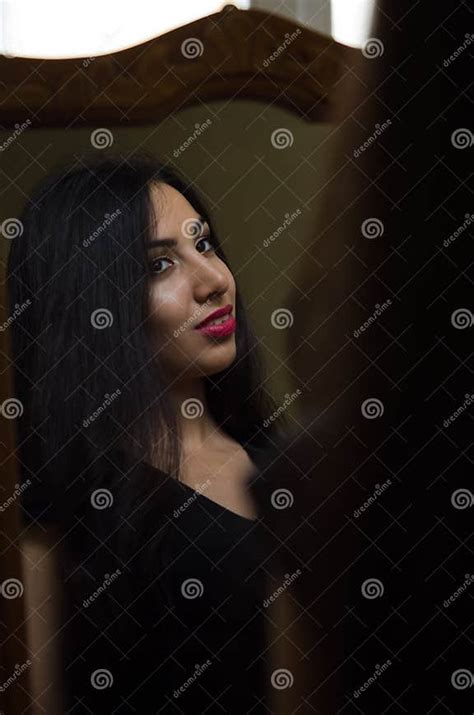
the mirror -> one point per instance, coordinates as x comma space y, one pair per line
243, 101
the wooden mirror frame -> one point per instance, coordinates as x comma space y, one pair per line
233, 54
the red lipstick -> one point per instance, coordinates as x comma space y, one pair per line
224, 328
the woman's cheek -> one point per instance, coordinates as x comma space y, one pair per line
167, 309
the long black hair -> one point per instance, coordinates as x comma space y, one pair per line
87, 375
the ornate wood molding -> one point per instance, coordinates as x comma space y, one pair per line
233, 54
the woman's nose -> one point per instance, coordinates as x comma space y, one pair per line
208, 279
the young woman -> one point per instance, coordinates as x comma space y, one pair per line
143, 401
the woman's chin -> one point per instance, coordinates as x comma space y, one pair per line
218, 358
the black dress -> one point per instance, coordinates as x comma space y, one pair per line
183, 635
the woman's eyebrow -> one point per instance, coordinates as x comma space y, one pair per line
171, 242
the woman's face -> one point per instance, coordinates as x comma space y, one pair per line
188, 282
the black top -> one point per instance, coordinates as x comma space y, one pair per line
185, 634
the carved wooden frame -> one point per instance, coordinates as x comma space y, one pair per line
233, 54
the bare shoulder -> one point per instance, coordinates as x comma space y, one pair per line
39, 550
230, 453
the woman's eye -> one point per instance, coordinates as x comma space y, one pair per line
155, 262
209, 240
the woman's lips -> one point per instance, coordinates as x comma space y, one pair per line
221, 330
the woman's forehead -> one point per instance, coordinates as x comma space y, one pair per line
173, 211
